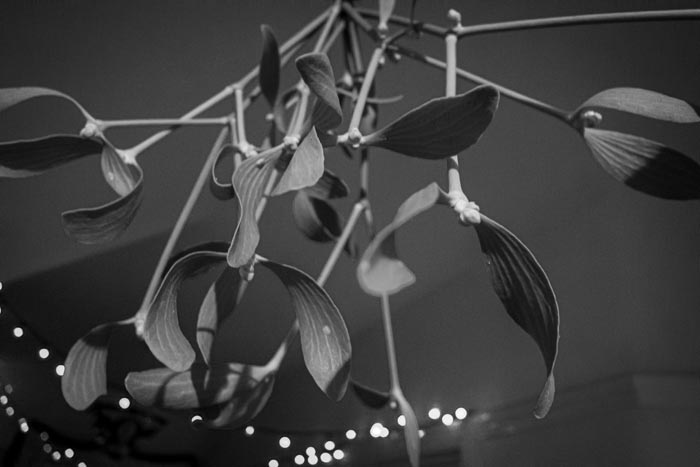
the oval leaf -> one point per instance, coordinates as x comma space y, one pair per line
370, 397
380, 270
162, 331
85, 377
105, 223
220, 301
222, 191
269, 66
523, 287
441, 127
645, 165
249, 182
13, 96
325, 342
20, 159
116, 171
646, 103
243, 407
411, 431
317, 219
305, 168
329, 186
317, 73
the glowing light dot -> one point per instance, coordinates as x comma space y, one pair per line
285, 442
249, 430
3, 400
447, 419
8, 388
0, 285
313, 460
0, 311
329, 445
434, 413
350, 434
421, 433
461, 413
299, 459
124, 403
10, 411
338, 454
43, 354
376, 430
326, 458
56, 456
18, 332
196, 419
82, 464
23, 425
69, 453
310, 451
273, 463
47, 448
385, 432
44, 436
60, 369
401, 420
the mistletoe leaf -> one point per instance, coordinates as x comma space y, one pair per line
116, 171
219, 302
244, 406
380, 270
386, 8
105, 223
441, 127
27, 158
305, 167
524, 289
325, 342
317, 73
372, 398
645, 165
329, 186
411, 430
85, 377
269, 66
646, 103
12, 96
318, 220
162, 331
222, 191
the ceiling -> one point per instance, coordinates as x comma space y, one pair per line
623, 264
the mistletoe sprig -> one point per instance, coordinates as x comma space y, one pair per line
305, 122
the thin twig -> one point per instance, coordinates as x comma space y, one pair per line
427, 28
173, 122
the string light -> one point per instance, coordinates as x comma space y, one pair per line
329, 445
299, 459
285, 442
401, 420
312, 460
338, 454
273, 463
461, 413
18, 332
310, 451
60, 369
326, 458
376, 430
43, 353
447, 419
10, 411
124, 403
434, 413
249, 430
69, 453
350, 434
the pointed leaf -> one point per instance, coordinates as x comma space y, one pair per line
13, 96
329, 186
105, 223
645, 165
523, 287
85, 377
386, 8
222, 191
244, 406
318, 220
162, 331
116, 171
317, 73
441, 127
220, 301
411, 431
31, 157
370, 397
198, 387
380, 270
269, 66
249, 182
305, 168
325, 342
646, 103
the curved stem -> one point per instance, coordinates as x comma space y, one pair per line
390, 347
577, 20
366, 86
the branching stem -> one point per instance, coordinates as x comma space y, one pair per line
172, 122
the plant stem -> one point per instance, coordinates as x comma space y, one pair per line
427, 28
340, 244
511, 94
177, 229
106, 124
357, 18
576, 20
366, 86
454, 182
390, 347
240, 119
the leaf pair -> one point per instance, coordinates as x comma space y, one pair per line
640, 163
517, 278
316, 71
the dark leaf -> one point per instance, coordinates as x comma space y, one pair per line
441, 127
31, 157
411, 430
222, 191
244, 406
523, 287
14, 96
325, 342
249, 182
269, 66
645, 165
162, 331
105, 223
370, 397
318, 220
305, 168
317, 73
386, 8
380, 270
85, 377
220, 301
329, 186
646, 103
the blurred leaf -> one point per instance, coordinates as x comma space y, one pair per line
13, 96
220, 301
411, 431
85, 377
523, 287
441, 127
325, 342
269, 66
105, 223
244, 406
317, 73
370, 397
646, 103
329, 186
380, 270
162, 331
31, 157
371, 99
386, 8
222, 191
645, 165
249, 182
318, 220
305, 167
